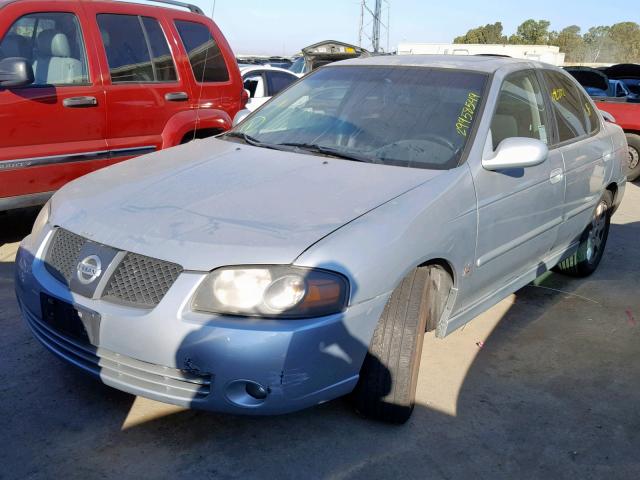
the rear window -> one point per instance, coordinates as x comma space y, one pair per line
137, 50
207, 61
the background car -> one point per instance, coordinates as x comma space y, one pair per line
624, 110
86, 84
263, 82
323, 53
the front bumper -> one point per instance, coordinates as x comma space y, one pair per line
174, 355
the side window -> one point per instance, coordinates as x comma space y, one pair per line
52, 42
207, 61
573, 111
520, 110
255, 85
131, 57
278, 81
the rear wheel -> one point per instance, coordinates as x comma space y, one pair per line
388, 378
633, 165
594, 238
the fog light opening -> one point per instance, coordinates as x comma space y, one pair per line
247, 393
256, 390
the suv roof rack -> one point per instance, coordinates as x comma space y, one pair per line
190, 6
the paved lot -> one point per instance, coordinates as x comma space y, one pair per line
544, 385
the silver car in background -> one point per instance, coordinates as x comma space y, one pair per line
303, 255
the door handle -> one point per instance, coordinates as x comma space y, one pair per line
556, 175
176, 97
80, 102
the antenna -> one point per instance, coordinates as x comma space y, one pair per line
371, 16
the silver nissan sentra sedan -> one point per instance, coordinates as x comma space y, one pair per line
302, 256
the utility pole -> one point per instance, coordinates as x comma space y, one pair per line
375, 36
373, 17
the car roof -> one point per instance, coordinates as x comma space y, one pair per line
486, 64
250, 68
130, 2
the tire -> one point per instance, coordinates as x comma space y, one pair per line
388, 377
586, 259
633, 165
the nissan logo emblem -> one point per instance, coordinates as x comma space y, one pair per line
89, 269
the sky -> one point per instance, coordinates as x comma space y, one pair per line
278, 27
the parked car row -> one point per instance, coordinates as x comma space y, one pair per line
85, 84
615, 90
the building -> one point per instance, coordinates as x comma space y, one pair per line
542, 53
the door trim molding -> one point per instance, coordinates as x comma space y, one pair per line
74, 157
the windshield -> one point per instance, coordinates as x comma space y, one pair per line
405, 116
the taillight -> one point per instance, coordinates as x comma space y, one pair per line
244, 98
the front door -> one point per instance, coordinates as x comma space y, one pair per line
54, 129
519, 210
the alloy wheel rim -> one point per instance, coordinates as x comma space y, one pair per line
596, 232
634, 157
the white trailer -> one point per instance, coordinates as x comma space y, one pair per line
542, 53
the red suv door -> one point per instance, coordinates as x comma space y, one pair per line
54, 129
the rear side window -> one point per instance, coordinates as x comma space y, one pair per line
137, 50
574, 112
278, 81
520, 110
207, 61
52, 42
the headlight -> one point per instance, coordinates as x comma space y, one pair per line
272, 292
42, 218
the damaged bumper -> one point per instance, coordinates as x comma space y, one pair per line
174, 355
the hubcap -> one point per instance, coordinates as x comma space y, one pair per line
597, 231
634, 157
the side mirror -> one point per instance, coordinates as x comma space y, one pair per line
15, 72
516, 152
607, 117
240, 116
248, 92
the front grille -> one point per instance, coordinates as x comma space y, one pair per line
62, 257
170, 384
141, 281
137, 280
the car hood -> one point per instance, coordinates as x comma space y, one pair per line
589, 77
212, 202
624, 70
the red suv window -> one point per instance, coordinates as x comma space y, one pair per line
205, 57
137, 50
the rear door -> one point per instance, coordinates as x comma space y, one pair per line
54, 129
144, 88
583, 146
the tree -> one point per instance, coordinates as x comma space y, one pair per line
490, 33
597, 42
532, 32
625, 37
570, 42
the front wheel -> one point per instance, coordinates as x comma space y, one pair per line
633, 165
388, 378
592, 242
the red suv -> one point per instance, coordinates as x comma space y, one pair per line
84, 84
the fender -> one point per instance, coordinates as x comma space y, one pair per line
184, 122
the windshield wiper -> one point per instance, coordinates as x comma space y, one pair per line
328, 151
248, 139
